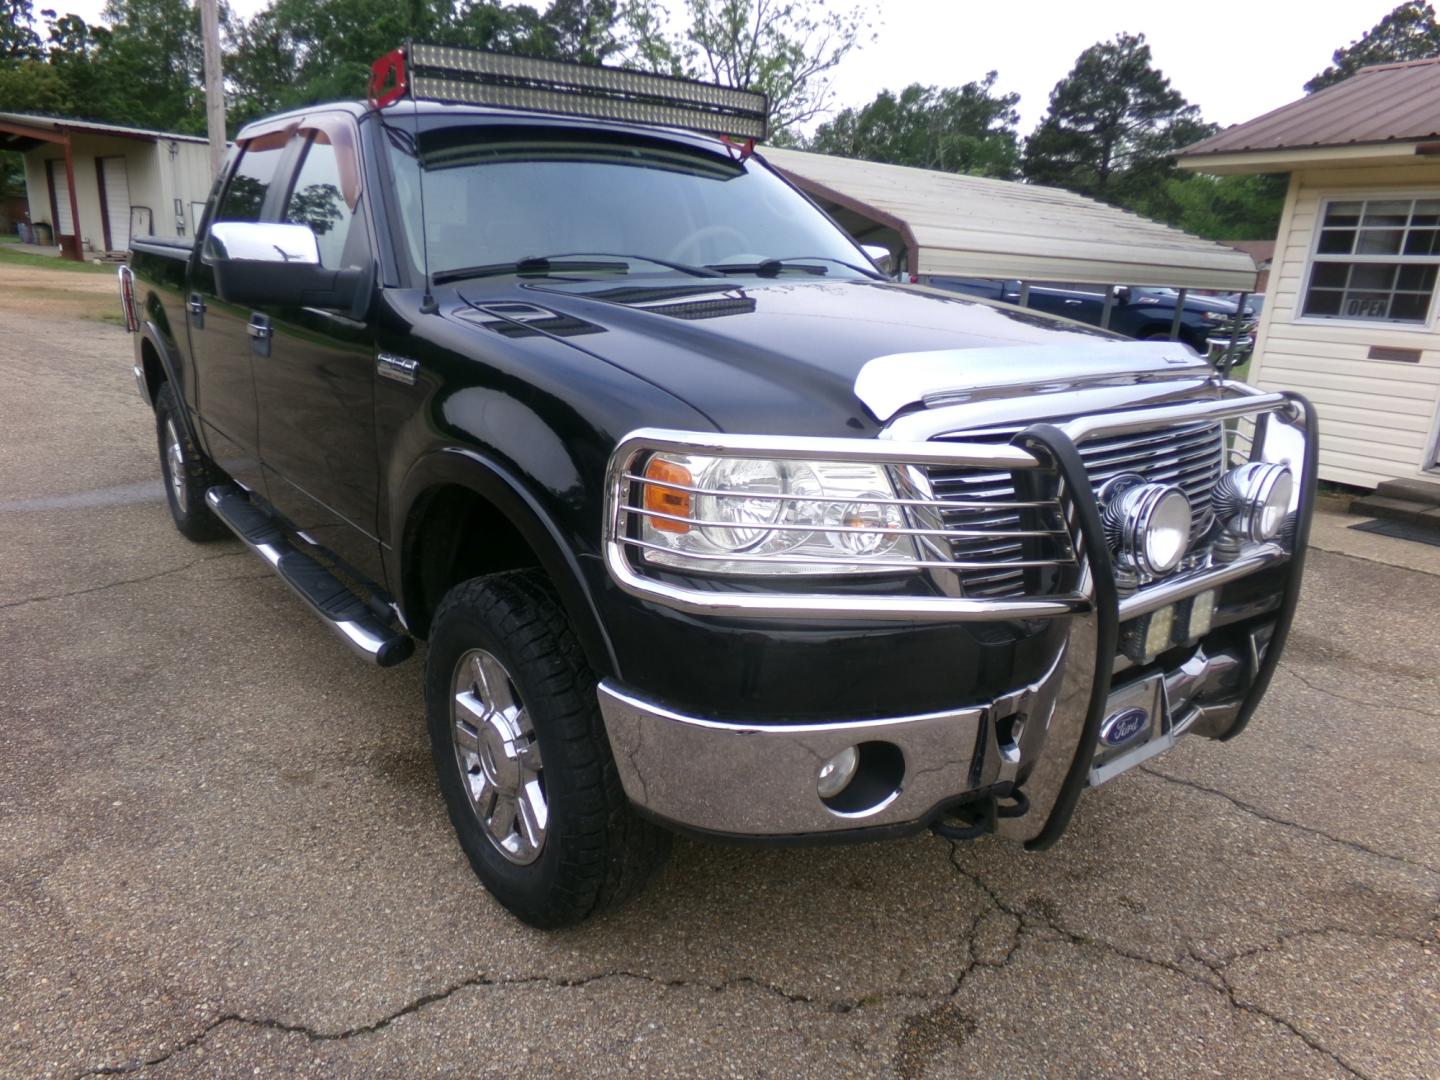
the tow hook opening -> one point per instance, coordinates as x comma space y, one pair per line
877, 769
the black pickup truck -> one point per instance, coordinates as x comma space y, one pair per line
707, 525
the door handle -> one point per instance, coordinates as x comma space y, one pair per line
1073, 303
260, 332
196, 306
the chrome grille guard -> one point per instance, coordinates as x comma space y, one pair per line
1283, 431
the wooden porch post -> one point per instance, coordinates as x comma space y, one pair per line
74, 206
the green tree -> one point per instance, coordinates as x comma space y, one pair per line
34, 87
297, 52
1217, 207
582, 30
143, 69
1410, 32
18, 39
1113, 123
152, 65
26, 84
967, 129
71, 76
788, 49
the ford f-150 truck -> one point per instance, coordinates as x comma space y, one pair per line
707, 525
1208, 324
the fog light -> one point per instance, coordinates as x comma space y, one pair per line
1157, 634
1148, 525
1253, 500
836, 774
1202, 614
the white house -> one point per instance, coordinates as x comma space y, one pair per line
1350, 319
95, 185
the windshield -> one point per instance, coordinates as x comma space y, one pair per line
500, 195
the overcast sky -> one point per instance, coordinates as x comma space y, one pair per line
1234, 58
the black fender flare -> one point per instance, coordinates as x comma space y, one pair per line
151, 334
468, 468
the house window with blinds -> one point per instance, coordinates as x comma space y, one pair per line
1375, 260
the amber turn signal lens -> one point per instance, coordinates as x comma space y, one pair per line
667, 500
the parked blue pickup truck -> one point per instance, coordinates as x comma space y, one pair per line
1143, 313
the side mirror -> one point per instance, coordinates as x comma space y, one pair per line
879, 255
261, 263
1122, 294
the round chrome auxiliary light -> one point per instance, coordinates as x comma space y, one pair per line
1254, 499
1148, 526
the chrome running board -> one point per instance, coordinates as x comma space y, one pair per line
356, 623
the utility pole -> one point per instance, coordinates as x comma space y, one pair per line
214, 85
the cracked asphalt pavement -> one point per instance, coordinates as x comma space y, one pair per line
223, 852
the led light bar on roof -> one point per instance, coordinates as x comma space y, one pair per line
471, 76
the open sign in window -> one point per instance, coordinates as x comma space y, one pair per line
1375, 260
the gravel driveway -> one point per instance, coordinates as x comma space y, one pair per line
223, 852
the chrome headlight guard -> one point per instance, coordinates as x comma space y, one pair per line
1279, 441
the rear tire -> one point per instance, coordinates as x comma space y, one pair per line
187, 472
522, 757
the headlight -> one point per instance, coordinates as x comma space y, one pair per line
741, 515
1217, 316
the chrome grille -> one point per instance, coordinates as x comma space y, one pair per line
1188, 456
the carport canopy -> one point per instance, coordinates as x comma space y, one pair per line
949, 225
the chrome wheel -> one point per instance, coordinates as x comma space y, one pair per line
175, 464
498, 757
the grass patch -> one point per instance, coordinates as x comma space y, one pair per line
46, 300
24, 258
9, 238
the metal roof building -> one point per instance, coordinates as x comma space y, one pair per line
1380, 111
1352, 315
91, 187
946, 224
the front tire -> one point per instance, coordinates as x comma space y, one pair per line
522, 757
187, 472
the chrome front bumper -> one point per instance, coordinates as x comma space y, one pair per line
759, 780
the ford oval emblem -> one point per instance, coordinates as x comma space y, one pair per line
1121, 727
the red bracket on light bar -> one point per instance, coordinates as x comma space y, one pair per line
388, 82
740, 149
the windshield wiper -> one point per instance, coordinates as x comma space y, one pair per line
773, 267
532, 265
571, 263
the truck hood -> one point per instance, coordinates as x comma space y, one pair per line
818, 357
